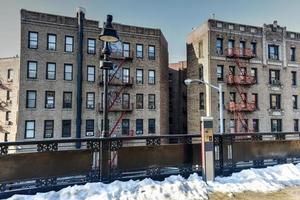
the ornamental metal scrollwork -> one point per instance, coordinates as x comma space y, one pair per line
115, 174
154, 171
45, 182
115, 145
93, 146
47, 147
256, 137
280, 136
217, 139
93, 176
3, 149
185, 140
153, 141
187, 169
258, 163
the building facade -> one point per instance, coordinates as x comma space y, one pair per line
61, 83
9, 90
259, 70
177, 98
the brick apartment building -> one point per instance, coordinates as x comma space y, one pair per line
9, 90
60, 82
177, 98
259, 70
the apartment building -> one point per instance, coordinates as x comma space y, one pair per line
258, 67
177, 98
61, 83
9, 90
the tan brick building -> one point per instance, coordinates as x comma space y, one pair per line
9, 90
60, 57
177, 98
259, 70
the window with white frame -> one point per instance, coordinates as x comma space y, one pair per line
91, 73
29, 129
139, 76
89, 127
91, 46
51, 71
69, 43
139, 51
50, 99
151, 77
33, 40
32, 70
68, 72
30, 99
51, 42
90, 100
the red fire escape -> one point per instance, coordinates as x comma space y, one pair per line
4, 107
241, 82
117, 85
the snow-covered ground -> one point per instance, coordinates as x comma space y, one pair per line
176, 187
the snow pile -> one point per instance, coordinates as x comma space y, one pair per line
176, 187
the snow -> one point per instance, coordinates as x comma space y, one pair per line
176, 187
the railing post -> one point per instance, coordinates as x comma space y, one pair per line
208, 169
104, 161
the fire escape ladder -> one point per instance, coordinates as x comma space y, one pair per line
116, 97
116, 124
115, 72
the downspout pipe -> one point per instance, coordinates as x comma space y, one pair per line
80, 17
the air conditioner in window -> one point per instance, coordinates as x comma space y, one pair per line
151, 107
90, 133
9, 80
49, 105
139, 132
275, 82
139, 81
90, 106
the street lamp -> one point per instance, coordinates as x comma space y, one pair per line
219, 89
107, 35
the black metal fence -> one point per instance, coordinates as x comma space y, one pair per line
39, 166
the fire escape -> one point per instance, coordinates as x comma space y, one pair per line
4, 107
118, 104
241, 81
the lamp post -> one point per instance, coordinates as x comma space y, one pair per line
219, 89
107, 35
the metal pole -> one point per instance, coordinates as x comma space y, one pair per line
105, 101
221, 109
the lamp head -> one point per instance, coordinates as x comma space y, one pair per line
108, 33
187, 82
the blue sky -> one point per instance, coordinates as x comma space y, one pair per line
175, 18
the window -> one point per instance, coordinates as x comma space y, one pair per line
242, 47
151, 101
90, 100
66, 128
151, 52
255, 124
32, 69
219, 25
201, 72
220, 72
126, 50
125, 126
139, 51
139, 101
231, 26
232, 70
242, 28
8, 116
125, 101
254, 73
91, 46
50, 99
8, 93
219, 46
232, 125
232, 96
292, 35
91, 73
275, 101
33, 40
276, 125
273, 52
253, 48
151, 77
294, 78
243, 71
253, 30
139, 76
139, 127
293, 53
295, 101
67, 100
202, 101
230, 44
125, 75
29, 129
201, 55
296, 125
255, 99
151, 126
51, 71
9, 74
68, 72
51, 42
48, 128
89, 127
274, 77
30, 99
69, 40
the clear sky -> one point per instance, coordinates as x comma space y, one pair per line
175, 18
